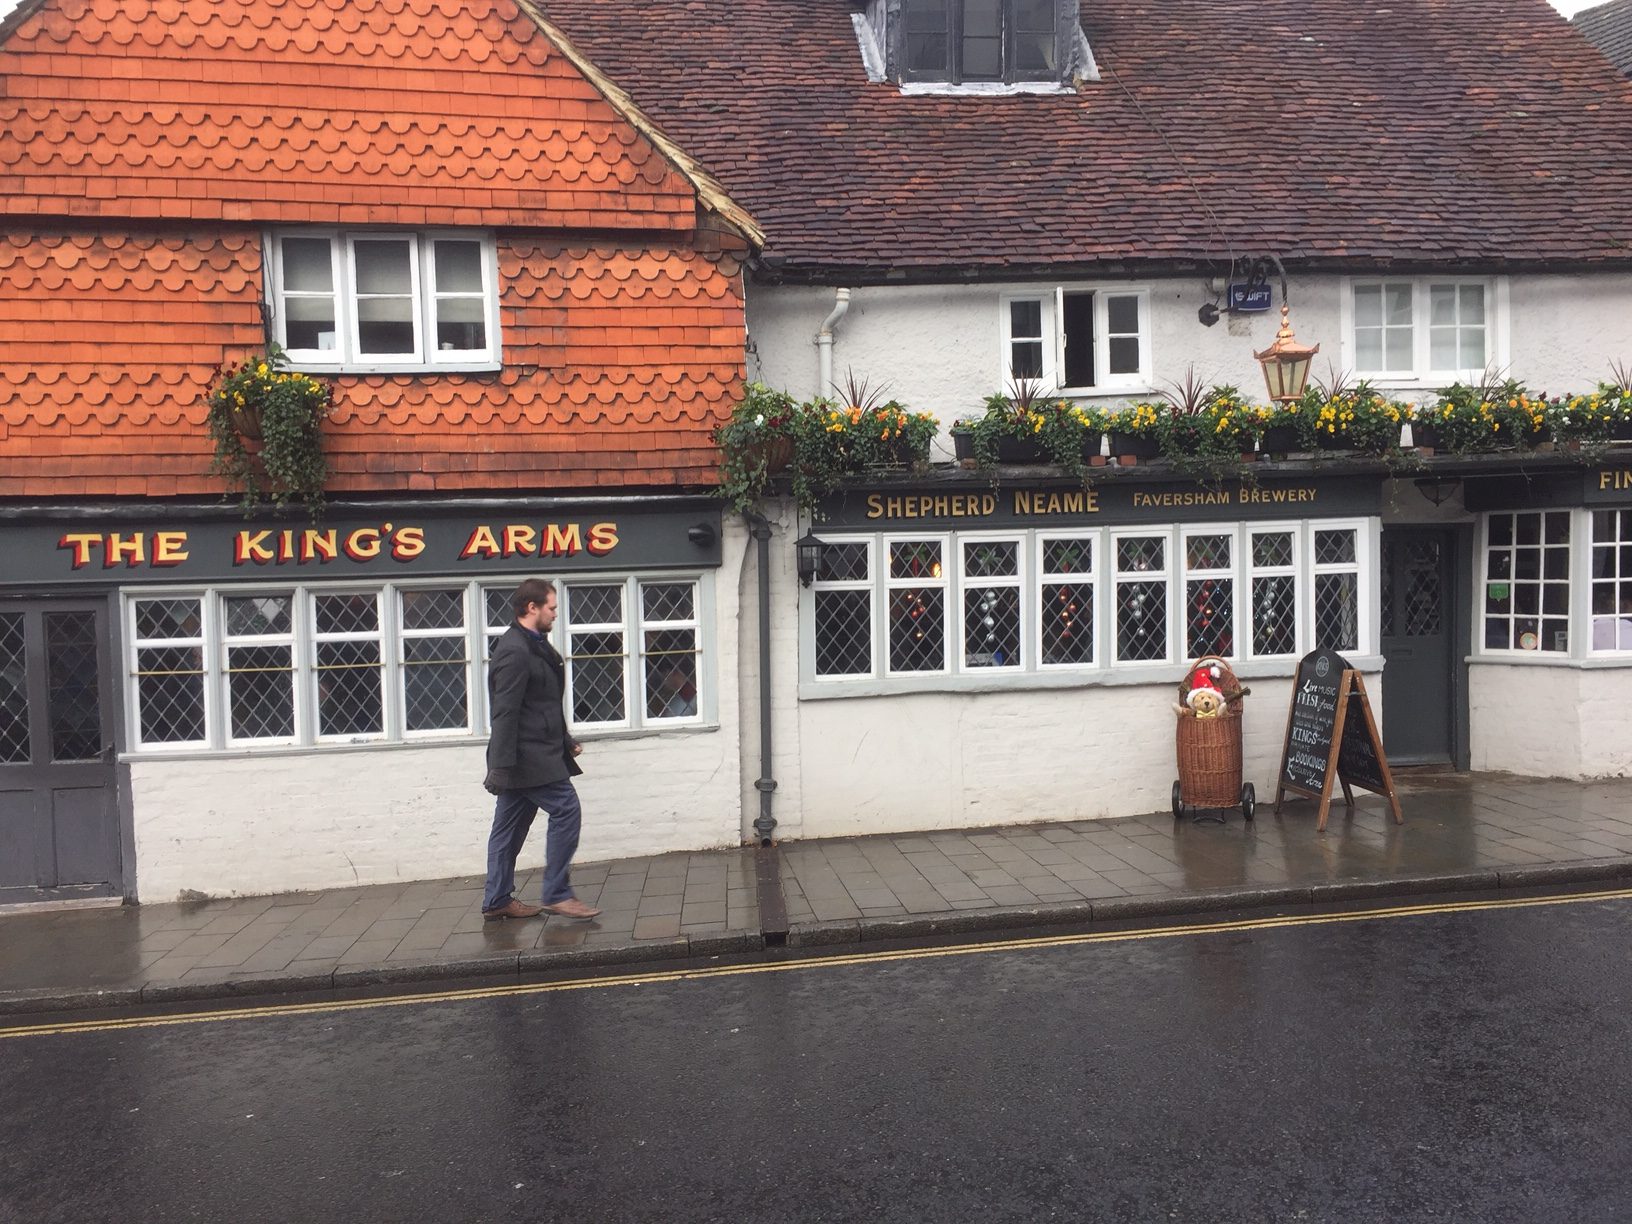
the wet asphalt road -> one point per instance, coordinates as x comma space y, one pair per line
1467, 1066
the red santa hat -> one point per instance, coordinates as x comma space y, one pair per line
1204, 679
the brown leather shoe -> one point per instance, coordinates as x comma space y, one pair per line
572, 908
512, 909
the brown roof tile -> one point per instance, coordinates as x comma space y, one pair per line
1324, 131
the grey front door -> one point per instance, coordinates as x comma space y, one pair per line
1418, 639
59, 815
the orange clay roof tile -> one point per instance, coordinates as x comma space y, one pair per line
288, 110
619, 362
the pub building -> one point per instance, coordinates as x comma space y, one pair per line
968, 656
527, 306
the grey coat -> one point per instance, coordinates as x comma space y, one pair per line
530, 746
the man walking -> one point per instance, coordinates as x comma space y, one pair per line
530, 761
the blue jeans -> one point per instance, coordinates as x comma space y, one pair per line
512, 818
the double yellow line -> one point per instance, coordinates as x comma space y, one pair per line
328, 1007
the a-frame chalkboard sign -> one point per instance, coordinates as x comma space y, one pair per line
1332, 737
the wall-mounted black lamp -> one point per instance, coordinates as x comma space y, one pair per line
1438, 489
809, 550
701, 535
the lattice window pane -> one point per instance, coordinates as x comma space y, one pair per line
844, 633
918, 629
170, 694
434, 688
1336, 547
595, 605
915, 559
1141, 620
668, 601
1388, 588
350, 613
1207, 552
845, 561
1068, 556
1422, 596
991, 559
496, 604
1141, 554
1068, 623
1274, 615
1210, 616
671, 673
442, 608
169, 618
991, 627
1272, 549
14, 739
1337, 612
260, 692
73, 698
348, 688
595, 675
259, 615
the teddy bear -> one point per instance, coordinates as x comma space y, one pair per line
1202, 696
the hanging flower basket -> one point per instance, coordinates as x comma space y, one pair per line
265, 421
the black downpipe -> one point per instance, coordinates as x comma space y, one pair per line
760, 528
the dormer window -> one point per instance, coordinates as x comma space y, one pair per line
965, 41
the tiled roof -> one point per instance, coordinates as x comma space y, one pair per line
619, 361
411, 112
1609, 27
1327, 132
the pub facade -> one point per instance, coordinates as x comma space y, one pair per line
527, 305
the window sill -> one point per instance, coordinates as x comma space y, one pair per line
150, 756
987, 89
338, 371
1164, 675
1597, 663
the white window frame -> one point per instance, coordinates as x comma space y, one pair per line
1301, 593
400, 662
1116, 578
381, 635
1018, 583
567, 627
1052, 300
1572, 617
477, 634
1043, 577
297, 664
869, 584
637, 656
1103, 580
1363, 567
427, 357
943, 583
1422, 373
1232, 573
134, 645
1591, 583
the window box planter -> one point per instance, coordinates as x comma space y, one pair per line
1020, 450
1133, 448
1279, 440
963, 445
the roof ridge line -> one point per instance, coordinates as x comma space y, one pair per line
710, 192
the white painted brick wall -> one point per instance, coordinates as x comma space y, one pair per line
1526, 719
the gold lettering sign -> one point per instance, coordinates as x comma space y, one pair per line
1615, 479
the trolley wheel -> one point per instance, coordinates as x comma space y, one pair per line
1178, 801
1249, 801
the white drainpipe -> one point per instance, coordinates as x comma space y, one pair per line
824, 342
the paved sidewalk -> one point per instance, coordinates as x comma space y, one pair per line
1480, 832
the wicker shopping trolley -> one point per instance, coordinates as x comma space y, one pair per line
1209, 741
